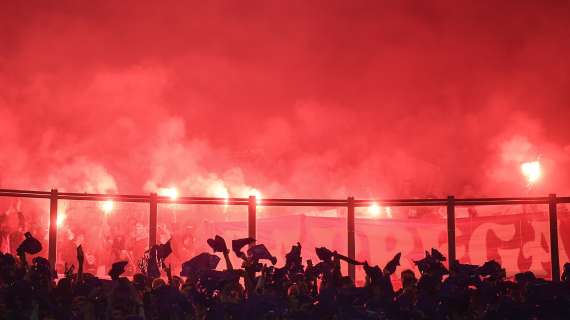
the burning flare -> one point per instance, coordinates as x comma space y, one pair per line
107, 206
219, 190
532, 171
374, 210
171, 192
256, 194
61, 218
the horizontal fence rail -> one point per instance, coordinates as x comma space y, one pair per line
252, 203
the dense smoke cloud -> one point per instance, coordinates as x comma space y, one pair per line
294, 98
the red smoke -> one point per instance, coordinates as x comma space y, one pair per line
295, 98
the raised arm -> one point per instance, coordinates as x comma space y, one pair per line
80, 260
229, 265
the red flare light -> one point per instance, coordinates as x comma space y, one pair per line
171, 192
532, 171
107, 206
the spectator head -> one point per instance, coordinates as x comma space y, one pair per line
117, 269
158, 283
30, 245
176, 282
408, 279
139, 281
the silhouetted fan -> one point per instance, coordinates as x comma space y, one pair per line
391, 266
218, 244
259, 252
41, 265
425, 263
202, 262
40, 261
467, 269
238, 244
117, 269
213, 279
164, 250
375, 273
30, 245
294, 256
280, 273
324, 254
7, 259
429, 264
437, 255
523, 277
490, 268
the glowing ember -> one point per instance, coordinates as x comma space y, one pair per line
171, 192
374, 210
532, 171
61, 218
107, 206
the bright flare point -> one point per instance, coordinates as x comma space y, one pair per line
374, 210
257, 195
60, 219
171, 192
220, 191
532, 171
107, 206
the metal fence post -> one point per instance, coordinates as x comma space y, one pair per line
251, 217
451, 231
152, 221
52, 242
351, 237
554, 256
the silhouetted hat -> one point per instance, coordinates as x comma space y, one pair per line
238, 244
30, 245
259, 251
218, 244
118, 268
202, 262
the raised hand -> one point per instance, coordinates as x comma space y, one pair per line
68, 270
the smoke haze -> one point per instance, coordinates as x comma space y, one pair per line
292, 98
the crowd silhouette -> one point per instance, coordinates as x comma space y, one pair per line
259, 289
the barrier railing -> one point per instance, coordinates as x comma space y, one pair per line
252, 203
